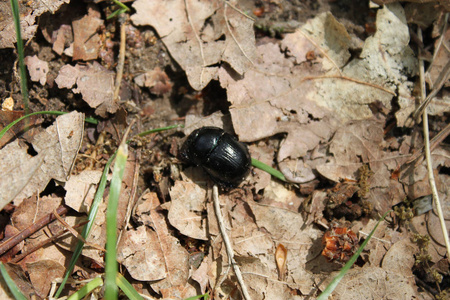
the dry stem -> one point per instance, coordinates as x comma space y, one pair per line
428, 155
228, 247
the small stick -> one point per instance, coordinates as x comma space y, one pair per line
12, 241
426, 138
227, 243
121, 62
43, 243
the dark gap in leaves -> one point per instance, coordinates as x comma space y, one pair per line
215, 99
31, 151
221, 38
52, 189
444, 170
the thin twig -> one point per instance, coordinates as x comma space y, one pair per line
441, 80
121, 62
227, 243
11, 242
434, 142
426, 138
39, 245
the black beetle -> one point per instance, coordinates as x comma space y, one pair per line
220, 154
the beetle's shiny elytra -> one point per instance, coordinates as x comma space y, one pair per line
220, 154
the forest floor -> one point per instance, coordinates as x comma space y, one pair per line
326, 91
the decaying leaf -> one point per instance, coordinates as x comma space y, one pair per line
56, 149
28, 14
86, 42
199, 35
185, 212
81, 189
37, 68
94, 82
378, 283
156, 80
141, 253
42, 272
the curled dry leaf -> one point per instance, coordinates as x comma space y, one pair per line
281, 258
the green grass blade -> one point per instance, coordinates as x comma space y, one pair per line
86, 289
122, 9
11, 284
333, 284
111, 268
23, 74
159, 129
87, 228
204, 297
57, 113
275, 173
127, 288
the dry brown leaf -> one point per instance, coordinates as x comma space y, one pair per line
201, 274
377, 282
284, 226
94, 82
323, 33
186, 207
400, 258
42, 273
435, 230
171, 266
175, 258
31, 210
422, 14
358, 143
20, 278
64, 38
140, 252
37, 68
156, 80
199, 35
87, 41
56, 149
7, 117
20, 167
28, 14
80, 190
